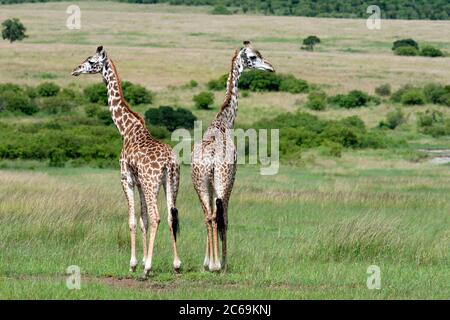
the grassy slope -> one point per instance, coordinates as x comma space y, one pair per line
300, 234
163, 47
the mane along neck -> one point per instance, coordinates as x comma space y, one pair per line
124, 118
228, 112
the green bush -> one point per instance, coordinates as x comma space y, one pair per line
96, 93
317, 100
302, 130
383, 90
170, 118
258, 80
406, 51
332, 149
62, 139
136, 94
219, 84
17, 102
354, 99
413, 96
220, 10
405, 43
92, 110
393, 119
434, 123
430, 51
47, 89
435, 93
105, 117
203, 100
292, 85
4, 87
159, 132
56, 104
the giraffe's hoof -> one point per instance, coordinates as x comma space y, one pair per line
146, 273
214, 267
177, 266
132, 268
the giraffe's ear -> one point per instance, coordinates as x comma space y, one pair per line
99, 49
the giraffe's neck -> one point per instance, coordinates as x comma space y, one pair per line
225, 118
124, 118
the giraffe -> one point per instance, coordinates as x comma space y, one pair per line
144, 162
214, 159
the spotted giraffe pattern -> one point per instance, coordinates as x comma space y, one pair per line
214, 160
145, 163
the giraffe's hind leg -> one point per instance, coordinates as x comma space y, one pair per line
223, 185
128, 188
171, 183
143, 223
205, 194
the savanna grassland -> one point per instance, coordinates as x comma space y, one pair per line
311, 231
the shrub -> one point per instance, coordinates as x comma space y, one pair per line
258, 80
393, 119
332, 149
96, 93
10, 87
219, 84
405, 43
47, 89
17, 102
434, 123
136, 94
434, 93
429, 118
430, 51
159, 132
203, 100
413, 96
354, 99
105, 117
383, 90
55, 105
302, 130
220, 10
193, 84
170, 118
317, 100
292, 85
92, 110
407, 51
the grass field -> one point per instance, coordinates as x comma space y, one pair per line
309, 232
305, 233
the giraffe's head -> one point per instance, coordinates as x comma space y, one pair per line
93, 64
252, 58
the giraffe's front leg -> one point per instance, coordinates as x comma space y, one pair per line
127, 185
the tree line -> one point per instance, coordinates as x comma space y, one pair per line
399, 9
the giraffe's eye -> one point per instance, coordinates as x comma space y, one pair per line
253, 58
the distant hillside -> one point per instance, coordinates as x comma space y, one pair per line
399, 9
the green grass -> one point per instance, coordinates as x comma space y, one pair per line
298, 235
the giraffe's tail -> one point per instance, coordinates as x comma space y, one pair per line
173, 180
220, 212
175, 222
